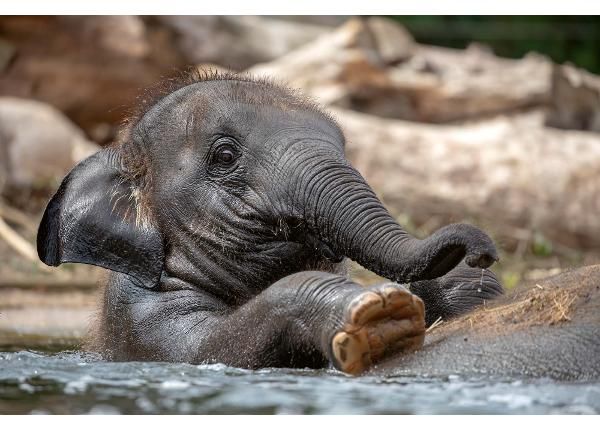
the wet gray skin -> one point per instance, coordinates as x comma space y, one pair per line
550, 328
222, 212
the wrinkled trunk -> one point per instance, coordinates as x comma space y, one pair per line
343, 211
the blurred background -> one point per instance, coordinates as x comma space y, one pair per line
489, 120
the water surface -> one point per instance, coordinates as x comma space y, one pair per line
72, 382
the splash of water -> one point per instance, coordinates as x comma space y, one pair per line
481, 281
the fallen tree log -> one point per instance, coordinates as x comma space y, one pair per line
575, 100
237, 42
507, 173
374, 66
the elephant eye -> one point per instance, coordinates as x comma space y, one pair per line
224, 155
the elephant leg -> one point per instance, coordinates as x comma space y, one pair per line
304, 320
311, 318
457, 292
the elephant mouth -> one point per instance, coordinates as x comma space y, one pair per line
322, 249
311, 243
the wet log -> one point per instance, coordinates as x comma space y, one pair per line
374, 66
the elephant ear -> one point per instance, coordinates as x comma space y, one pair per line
95, 218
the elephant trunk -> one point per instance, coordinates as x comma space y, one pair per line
342, 211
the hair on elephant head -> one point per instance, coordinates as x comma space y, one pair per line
225, 185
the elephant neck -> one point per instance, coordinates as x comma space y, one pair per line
235, 275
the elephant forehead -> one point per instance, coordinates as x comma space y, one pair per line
235, 103
251, 92
219, 95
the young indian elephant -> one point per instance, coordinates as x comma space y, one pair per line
222, 212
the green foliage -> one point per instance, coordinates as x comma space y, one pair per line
541, 246
510, 279
562, 38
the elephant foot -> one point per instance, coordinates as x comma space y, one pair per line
381, 321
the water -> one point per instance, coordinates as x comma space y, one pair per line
72, 382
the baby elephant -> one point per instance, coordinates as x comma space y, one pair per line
224, 211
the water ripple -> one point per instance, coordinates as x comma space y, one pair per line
74, 382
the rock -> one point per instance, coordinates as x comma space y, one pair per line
237, 42
511, 174
90, 68
123, 35
364, 65
575, 99
40, 145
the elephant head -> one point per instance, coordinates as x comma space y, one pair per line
228, 184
